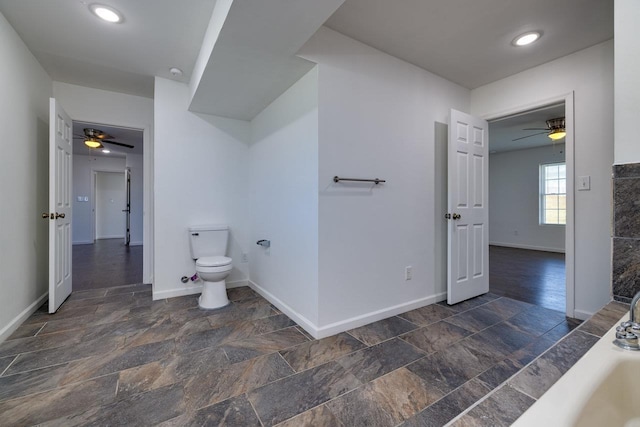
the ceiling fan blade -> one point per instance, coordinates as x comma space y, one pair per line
536, 129
104, 136
529, 136
117, 143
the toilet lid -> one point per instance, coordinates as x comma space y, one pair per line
213, 261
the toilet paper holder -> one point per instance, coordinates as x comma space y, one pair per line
264, 243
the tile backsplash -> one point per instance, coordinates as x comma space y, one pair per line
626, 231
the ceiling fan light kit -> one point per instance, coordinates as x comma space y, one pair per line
92, 143
94, 138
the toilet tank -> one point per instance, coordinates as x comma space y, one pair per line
208, 240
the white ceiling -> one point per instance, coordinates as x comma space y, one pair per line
469, 41
74, 46
465, 41
124, 135
503, 132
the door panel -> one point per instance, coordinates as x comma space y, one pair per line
468, 233
60, 209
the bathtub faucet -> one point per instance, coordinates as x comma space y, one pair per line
628, 333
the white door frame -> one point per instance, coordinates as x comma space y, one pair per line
147, 203
569, 140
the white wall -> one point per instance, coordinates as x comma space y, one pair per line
118, 109
627, 89
136, 166
589, 73
377, 118
283, 166
514, 200
110, 200
24, 181
200, 176
83, 167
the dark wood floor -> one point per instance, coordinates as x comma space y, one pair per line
106, 263
535, 277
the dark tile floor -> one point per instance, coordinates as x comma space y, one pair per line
536, 277
106, 263
114, 357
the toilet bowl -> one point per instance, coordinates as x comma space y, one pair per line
213, 271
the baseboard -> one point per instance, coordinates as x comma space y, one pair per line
374, 316
306, 324
135, 243
110, 237
190, 290
177, 292
20, 318
582, 315
529, 247
83, 242
344, 325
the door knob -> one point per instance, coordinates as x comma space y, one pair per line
45, 215
58, 215
447, 216
456, 216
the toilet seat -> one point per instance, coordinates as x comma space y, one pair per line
213, 261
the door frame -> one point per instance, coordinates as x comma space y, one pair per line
568, 99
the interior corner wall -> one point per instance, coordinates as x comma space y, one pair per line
283, 169
200, 176
514, 199
378, 118
589, 74
24, 181
83, 167
627, 89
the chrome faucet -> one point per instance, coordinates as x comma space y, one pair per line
628, 333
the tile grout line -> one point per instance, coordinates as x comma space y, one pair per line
8, 366
41, 328
252, 407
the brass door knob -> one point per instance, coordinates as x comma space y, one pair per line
45, 215
59, 215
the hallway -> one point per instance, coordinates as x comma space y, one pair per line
106, 263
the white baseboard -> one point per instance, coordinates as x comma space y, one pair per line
582, 315
190, 290
344, 325
530, 247
135, 243
20, 318
110, 237
83, 242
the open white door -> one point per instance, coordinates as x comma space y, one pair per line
60, 167
468, 213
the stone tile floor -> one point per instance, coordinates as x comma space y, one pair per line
114, 357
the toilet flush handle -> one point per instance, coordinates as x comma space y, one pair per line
264, 243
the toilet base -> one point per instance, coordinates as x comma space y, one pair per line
214, 295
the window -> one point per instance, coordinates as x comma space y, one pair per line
553, 194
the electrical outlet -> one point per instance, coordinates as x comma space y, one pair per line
245, 257
515, 232
408, 272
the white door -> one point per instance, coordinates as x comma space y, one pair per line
468, 213
60, 164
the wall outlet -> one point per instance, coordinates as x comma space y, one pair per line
408, 272
245, 257
515, 232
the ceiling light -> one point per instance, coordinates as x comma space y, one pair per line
106, 13
105, 151
176, 72
526, 38
92, 143
557, 134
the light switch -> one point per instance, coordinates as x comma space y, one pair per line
79, 198
86, 198
584, 183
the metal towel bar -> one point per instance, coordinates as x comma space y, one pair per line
376, 180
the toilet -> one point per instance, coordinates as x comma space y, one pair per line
208, 245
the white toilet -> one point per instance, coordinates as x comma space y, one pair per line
208, 246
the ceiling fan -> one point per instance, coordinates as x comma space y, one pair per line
94, 138
555, 130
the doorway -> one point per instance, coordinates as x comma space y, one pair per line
108, 196
529, 212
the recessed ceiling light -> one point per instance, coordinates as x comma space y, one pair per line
105, 151
526, 38
106, 13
